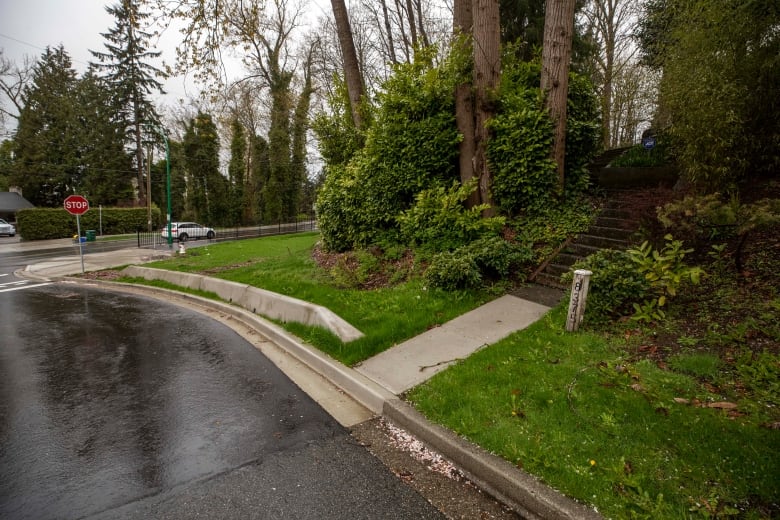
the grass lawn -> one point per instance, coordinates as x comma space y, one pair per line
622, 434
284, 264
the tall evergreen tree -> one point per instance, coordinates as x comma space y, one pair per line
46, 144
106, 164
132, 78
208, 199
237, 171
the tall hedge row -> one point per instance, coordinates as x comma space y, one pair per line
50, 223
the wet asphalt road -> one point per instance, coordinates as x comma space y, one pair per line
119, 406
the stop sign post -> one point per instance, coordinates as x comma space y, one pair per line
77, 205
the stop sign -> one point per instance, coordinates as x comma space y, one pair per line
76, 205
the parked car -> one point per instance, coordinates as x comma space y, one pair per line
6, 228
183, 231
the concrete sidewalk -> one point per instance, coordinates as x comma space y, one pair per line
377, 382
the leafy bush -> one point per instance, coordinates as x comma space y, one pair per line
665, 272
614, 285
468, 266
639, 157
337, 136
411, 146
453, 270
550, 226
440, 221
524, 176
496, 257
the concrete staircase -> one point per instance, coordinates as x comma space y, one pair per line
613, 229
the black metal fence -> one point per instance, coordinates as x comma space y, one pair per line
156, 240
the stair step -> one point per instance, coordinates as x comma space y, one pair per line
610, 232
601, 242
616, 223
567, 259
549, 281
581, 250
617, 213
557, 269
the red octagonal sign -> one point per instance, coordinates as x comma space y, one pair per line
76, 205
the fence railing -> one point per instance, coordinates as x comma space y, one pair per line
155, 239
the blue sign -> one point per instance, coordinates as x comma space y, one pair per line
648, 142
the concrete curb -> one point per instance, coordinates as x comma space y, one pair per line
516, 488
260, 301
521, 491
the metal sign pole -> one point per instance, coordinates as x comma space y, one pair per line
81, 244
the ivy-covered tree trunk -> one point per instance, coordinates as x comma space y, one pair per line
277, 189
260, 168
464, 100
300, 129
556, 56
487, 74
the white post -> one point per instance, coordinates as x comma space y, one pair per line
579, 296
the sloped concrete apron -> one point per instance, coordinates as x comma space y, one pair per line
259, 301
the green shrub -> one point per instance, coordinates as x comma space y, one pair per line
440, 221
665, 271
639, 157
452, 271
551, 225
470, 265
412, 145
524, 176
496, 257
614, 285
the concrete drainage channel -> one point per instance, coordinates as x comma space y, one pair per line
519, 490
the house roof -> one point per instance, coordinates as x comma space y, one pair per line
11, 202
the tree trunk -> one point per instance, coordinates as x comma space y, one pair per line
389, 29
412, 25
487, 73
352, 75
139, 154
423, 34
462, 22
556, 56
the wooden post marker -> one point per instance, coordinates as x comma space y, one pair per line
579, 296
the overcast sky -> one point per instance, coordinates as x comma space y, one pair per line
28, 26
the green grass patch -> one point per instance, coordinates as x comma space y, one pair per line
626, 436
696, 364
284, 264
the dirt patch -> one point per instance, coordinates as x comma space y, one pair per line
107, 275
223, 268
365, 270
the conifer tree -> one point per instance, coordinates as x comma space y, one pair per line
106, 164
46, 165
208, 198
132, 78
237, 171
